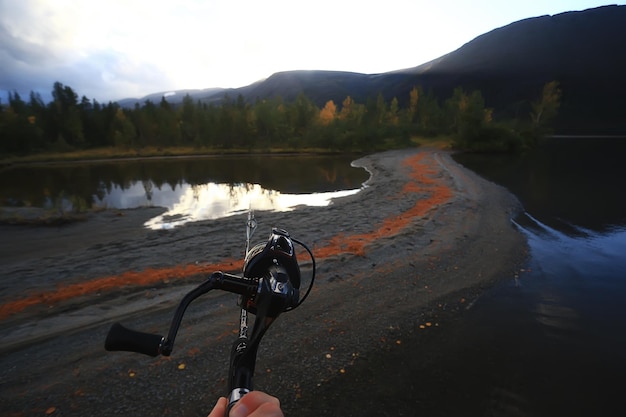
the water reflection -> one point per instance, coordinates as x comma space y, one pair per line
583, 253
557, 335
188, 203
190, 189
564, 182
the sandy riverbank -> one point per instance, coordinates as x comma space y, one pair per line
418, 242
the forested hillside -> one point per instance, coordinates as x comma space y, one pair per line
67, 123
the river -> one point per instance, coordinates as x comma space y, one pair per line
553, 340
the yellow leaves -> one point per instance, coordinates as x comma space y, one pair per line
131, 373
181, 366
119, 114
346, 108
328, 113
347, 103
547, 107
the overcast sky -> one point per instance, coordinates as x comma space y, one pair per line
114, 49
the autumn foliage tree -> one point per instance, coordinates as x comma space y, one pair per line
546, 107
328, 113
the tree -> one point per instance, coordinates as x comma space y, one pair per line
67, 127
16, 103
346, 108
168, 130
468, 116
19, 131
303, 112
430, 115
547, 107
145, 120
328, 113
414, 95
188, 120
381, 109
244, 123
393, 114
123, 130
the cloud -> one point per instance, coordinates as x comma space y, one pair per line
24, 61
41, 44
107, 75
114, 49
103, 75
131, 48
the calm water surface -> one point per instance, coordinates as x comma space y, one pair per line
191, 189
553, 341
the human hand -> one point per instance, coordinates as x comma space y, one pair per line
253, 404
220, 408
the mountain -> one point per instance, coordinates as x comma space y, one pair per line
582, 50
173, 97
320, 86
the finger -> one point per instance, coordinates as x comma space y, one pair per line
269, 409
220, 408
257, 403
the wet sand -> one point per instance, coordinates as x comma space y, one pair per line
418, 244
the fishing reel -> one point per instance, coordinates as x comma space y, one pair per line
270, 285
275, 263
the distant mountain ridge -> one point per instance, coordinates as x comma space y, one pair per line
172, 96
582, 50
573, 41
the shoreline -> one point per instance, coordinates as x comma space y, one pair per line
424, 230
52, 159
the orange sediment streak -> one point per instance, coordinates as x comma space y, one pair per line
131, 278
421, 180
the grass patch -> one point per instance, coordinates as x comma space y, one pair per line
34, 216
439, 142
150, 152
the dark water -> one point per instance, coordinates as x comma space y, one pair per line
567, 182
190, 188
553, 342
549, 342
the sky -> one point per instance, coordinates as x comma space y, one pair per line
114, 49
